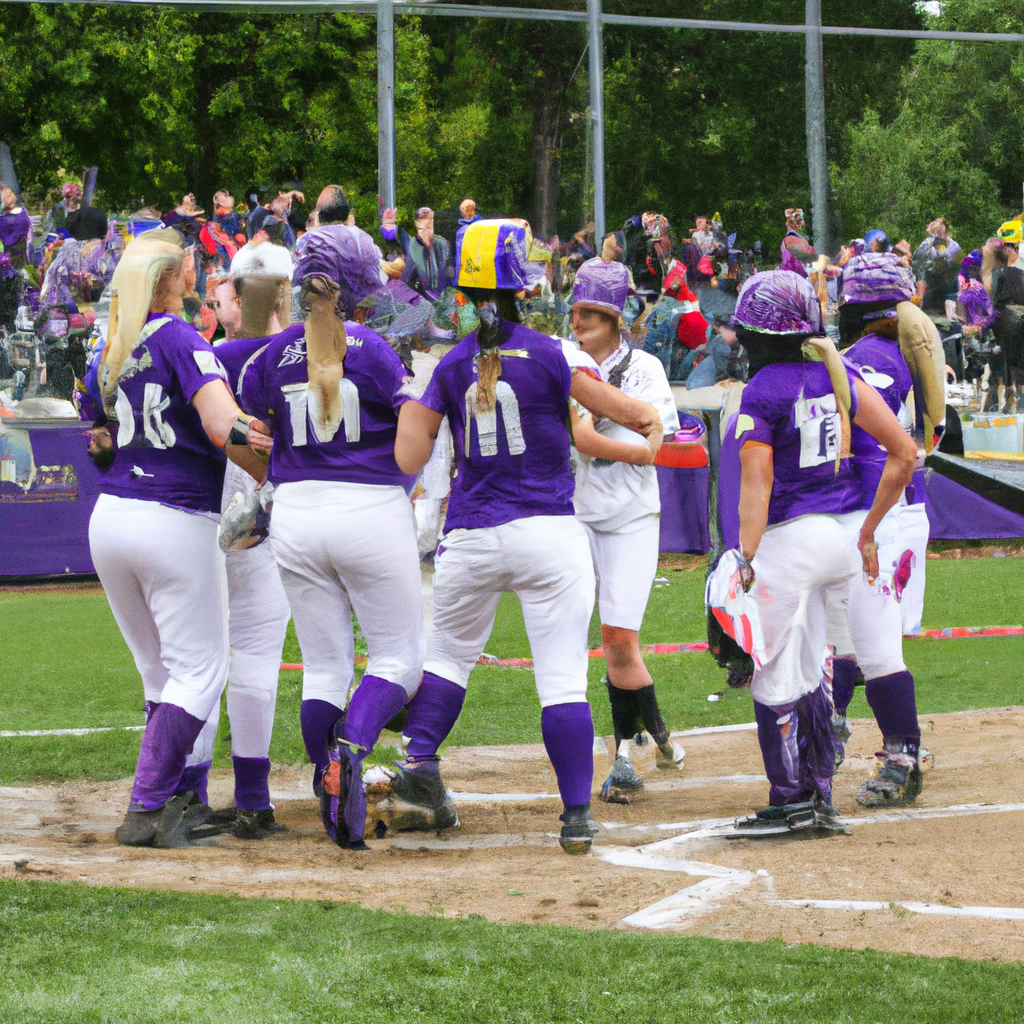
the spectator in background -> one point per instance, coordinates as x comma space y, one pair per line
934, 265
71, 194
797, 251
266, 218
332, 207
186, 218
703, 237
15, 227
428, 263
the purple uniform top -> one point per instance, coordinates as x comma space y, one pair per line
881, 364
235, 356
360, 447
513, 463
792, 408
162, 452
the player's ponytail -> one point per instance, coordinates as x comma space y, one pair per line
133, 288
488, 338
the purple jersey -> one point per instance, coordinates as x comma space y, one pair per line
792, 408
161, 450
235, 356
360, 447
515, 464
881, 364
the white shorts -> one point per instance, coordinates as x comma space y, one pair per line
865, 621
799, 566
346, 548
626, 562
545, 561
164, 577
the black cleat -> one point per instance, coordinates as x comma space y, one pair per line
138, 828
182, 816
897, 781
622, 783
578, 830
255, 824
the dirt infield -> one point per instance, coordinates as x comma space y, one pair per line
958, 851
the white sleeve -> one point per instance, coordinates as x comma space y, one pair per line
577, 358
645, 379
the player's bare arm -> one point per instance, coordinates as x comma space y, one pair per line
604, 400
417, 431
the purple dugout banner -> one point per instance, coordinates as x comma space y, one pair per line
684, 510
48, 486
954, 512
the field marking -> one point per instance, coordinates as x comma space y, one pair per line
991, 913
678, 910
9, 734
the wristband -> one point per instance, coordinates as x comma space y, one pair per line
240, 430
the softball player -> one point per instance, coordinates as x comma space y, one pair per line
876, 282
342, 530
153, 532
510, 524
801, 524
618, 502
258, 610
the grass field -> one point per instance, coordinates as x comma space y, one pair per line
66, 666
72, 953
191, 958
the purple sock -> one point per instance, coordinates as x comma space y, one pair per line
252, 783
568, 731
375, 702
194, 779
169, 736
432, 714
892, 700
782, 769
317, 718
844, 679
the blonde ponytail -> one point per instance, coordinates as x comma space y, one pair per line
135, 282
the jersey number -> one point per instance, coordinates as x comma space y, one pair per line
487, 422
305, 405
157, 433
820, 428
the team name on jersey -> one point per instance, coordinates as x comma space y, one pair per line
820, 426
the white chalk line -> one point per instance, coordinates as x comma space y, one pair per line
942, 909
682, 908
10, 734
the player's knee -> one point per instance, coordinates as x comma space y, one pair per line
621, 646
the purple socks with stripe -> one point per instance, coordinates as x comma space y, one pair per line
782, 772
568, 731
317, 719
431, 716
169, 736
252, 783
375, 702
844, 680
895, 708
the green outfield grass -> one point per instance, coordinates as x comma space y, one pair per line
66, 666
195, 958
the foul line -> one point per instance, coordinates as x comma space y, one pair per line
699, 647
9, 734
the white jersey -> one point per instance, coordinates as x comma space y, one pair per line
613, 495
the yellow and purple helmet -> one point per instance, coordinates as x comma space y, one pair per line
492, 254
1012, 231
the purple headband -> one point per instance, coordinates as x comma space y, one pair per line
779, 302
345, 255
876, 277
602, 285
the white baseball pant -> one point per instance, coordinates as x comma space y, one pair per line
164, 577
545, 561
625, 562
344, 548
866, 621
914, 532
800, 566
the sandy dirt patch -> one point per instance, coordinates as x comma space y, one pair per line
504, 862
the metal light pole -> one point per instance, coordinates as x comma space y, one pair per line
817, 157
596, 43
386, 101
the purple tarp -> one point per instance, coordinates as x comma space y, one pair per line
684, 510
44, 515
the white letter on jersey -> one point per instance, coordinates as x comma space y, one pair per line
820, 428
487, 422
158, 433
125, 420
303, 402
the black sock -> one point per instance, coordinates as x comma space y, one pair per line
624, 713
647, 705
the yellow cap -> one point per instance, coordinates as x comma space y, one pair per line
1011, 231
